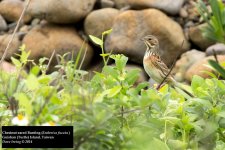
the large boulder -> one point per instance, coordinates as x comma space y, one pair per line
169, 6
130, 26
218, 49
3, 25
14, 46
7, 67
200, 67
197, 37
185, 62
12, 9
99, 21
43, 40
61, 11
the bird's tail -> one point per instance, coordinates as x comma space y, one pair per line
181, 88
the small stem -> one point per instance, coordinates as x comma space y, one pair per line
122, 110
102, 47
165, 132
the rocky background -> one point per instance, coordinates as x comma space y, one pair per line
63, 25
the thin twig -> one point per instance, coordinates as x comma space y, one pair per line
82, 61
50, 60
14, 32
158, 87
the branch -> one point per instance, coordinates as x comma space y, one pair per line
50, 60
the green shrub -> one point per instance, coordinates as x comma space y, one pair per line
215, 30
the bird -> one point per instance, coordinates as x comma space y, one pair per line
155, 67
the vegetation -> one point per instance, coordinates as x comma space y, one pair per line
215, 18
109, 111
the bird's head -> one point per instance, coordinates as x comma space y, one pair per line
151, 42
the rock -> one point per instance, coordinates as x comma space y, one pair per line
185, 62
107, 4
3, 25
219, 49
12, 9
99, 21
43, 40
130, 26
61, 11
196, 36
169, 6
35, 22
121, 3
183, 13
200, 67
14, 46
7, 67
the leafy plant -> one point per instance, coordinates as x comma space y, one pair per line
215, 30
100, 42
217, 67
110, 111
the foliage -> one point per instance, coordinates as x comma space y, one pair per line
218, 68
215, 30
110, 111
100, 42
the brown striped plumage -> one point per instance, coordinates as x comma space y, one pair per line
154, 66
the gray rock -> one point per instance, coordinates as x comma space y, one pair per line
99, 21
12, 9
3, 24
168, 6
219, 49
43, 40
4, 39
8, 67
61, 11
200, 67
185, 62
183, 13
107, 3
130, 26
196, 36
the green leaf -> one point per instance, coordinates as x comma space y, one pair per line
107, 32
177, 144
32, 82
114, 91
35, 70
105, 55
109, 70
16, 62
24, 57
12, 86
197, 81
157, 144
210, 128
120, 61
217, 67
22, 47
221, 114
132, 76
24, 102
96, 40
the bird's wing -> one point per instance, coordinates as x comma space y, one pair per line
158, 63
